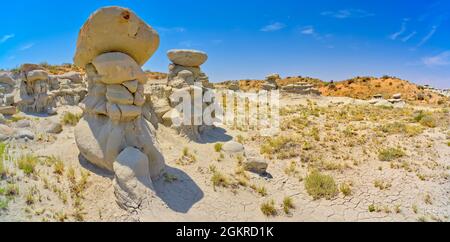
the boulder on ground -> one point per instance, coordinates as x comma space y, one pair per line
51, 127
115, 29
233, 147
8, 110
24, 134
189, 58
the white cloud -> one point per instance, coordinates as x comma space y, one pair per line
408, 37
443, 59
171, 30
402, 30
26, 47
308, 30
5, 38
348, 13
428, 36
273, 27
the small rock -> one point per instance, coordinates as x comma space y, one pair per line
5, 132
256, 166
397, 96
75, 77
24, 123
233, 147
24, 134
50, 127
6, 79
8, 110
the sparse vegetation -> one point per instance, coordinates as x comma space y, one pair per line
346, 189
320, 186
70, 119
382, 185
390, 154
288, 204
218, 147
27, 164
268, 208
219, 180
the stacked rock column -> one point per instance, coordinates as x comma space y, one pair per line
185, 77
114, 133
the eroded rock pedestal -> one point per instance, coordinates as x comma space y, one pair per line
114, 133
187, 81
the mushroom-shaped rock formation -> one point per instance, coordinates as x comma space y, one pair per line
113, 45
186, 80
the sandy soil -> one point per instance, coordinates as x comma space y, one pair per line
340, 137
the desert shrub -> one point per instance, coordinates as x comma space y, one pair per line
27, 164
58, 167
71, 118
401, 128
268, 208
218, 147
346, 189
283, 147
288, 204
320, 185
425, 119
390, 154
218, 179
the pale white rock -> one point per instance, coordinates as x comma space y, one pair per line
190, 58
132, 183
117, 67
24, 123
233, 147
24, 134
119, 94
115, 29
397, 96
73, 76
36, 75
50, 127
6, 132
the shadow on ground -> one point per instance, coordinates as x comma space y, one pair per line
180, 195
215, 135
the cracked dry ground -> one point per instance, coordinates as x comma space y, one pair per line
344, 138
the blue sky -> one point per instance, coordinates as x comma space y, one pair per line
331, 40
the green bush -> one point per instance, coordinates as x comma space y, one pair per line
320, 186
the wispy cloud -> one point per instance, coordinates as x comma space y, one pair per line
348, 13
308, 30
5, 38
409, 36
273, 27
402, 30
171, 30
442, 59
428, 36
26, 47
186, 43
